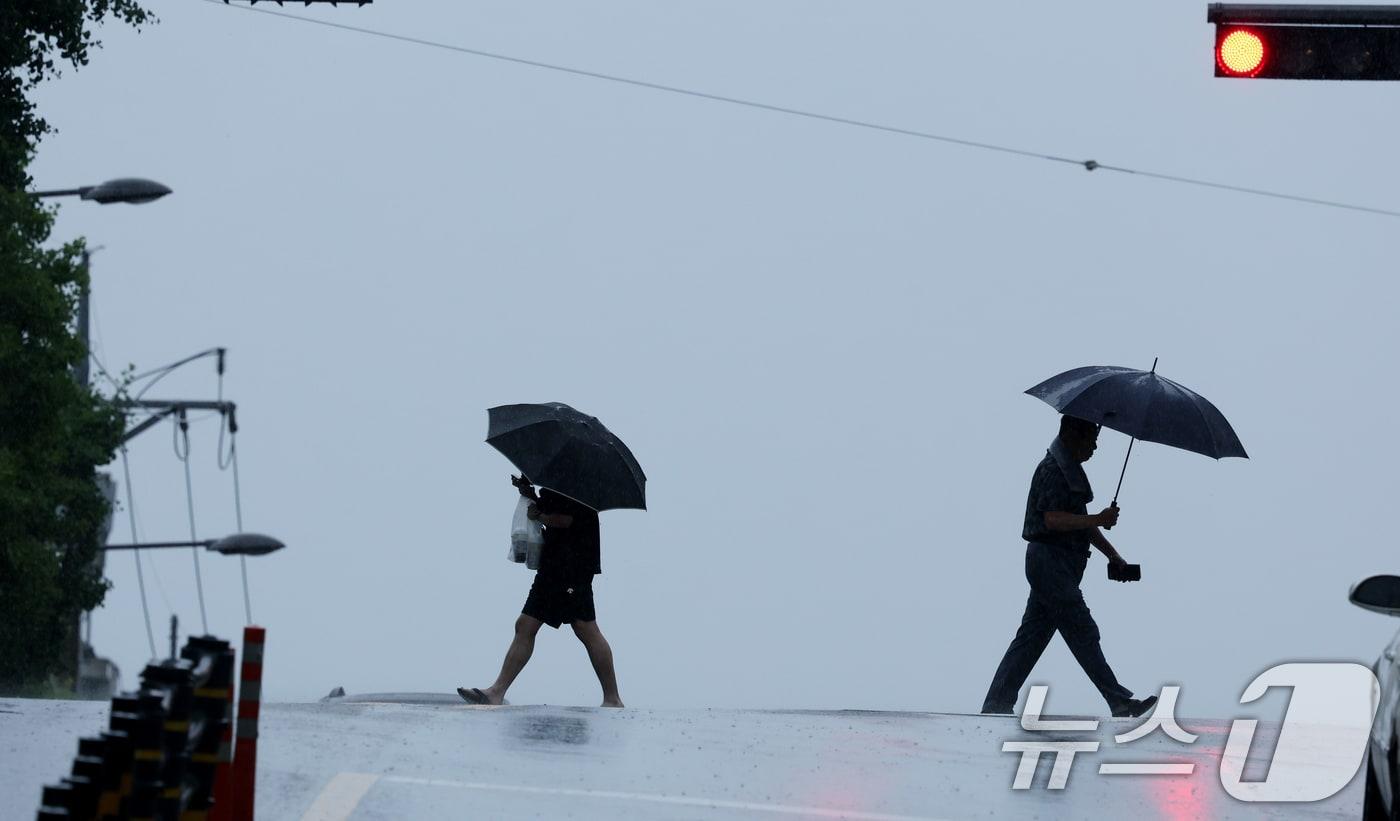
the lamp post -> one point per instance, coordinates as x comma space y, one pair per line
131, 190
123, 189
239, 544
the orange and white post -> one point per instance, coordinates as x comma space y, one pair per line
245, 752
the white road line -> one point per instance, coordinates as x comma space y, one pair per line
656, 798
340, 797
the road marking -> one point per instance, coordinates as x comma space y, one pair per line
340, 797
657, 798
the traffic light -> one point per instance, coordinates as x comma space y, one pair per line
1306, 42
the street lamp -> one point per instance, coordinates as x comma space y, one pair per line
239, 544
133, 190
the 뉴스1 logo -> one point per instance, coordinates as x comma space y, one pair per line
1321, 743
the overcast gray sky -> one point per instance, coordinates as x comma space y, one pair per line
814, 337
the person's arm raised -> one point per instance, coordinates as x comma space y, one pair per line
525, 487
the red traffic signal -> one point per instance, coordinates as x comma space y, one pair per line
1297, 42
1240, 53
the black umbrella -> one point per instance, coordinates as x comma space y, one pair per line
1144, 405
569, 452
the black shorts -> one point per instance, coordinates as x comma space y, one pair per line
555, 602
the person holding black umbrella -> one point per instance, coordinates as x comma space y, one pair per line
1059, 531
1145, 405
562, 593
583, 468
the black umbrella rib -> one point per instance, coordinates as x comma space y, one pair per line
1210, 429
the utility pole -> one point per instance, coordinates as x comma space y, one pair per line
84, 320
82, 373
131, 190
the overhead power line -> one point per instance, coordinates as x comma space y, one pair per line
1090, 165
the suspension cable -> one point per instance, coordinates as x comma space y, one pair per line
1088, 165
238, 517
184, 431
230, 423
173, 365
140, 575
162, 372
226, 423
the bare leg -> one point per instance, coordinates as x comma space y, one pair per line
600, 653
521, 647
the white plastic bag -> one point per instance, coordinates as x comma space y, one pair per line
526, 537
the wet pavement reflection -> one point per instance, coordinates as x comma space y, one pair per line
421, 757
547, 729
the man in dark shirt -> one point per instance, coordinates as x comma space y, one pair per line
572, 552
562, 593
1059, 532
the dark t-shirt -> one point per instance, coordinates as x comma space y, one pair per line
1050, 491
571, 554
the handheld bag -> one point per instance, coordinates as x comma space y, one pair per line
526, 537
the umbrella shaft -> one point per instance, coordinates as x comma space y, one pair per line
1125, 469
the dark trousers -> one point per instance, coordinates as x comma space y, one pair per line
1055, 604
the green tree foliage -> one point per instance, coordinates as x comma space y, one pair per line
54, 433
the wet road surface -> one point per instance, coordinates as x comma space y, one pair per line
395, 757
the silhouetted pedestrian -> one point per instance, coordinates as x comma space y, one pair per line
562, 593
1059, 531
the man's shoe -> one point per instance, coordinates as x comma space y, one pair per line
1135, 707
999, 711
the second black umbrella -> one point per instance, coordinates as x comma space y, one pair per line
1143, 404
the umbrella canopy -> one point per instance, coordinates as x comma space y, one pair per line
1143, 404
569, 452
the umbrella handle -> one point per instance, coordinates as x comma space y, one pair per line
1124, 472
